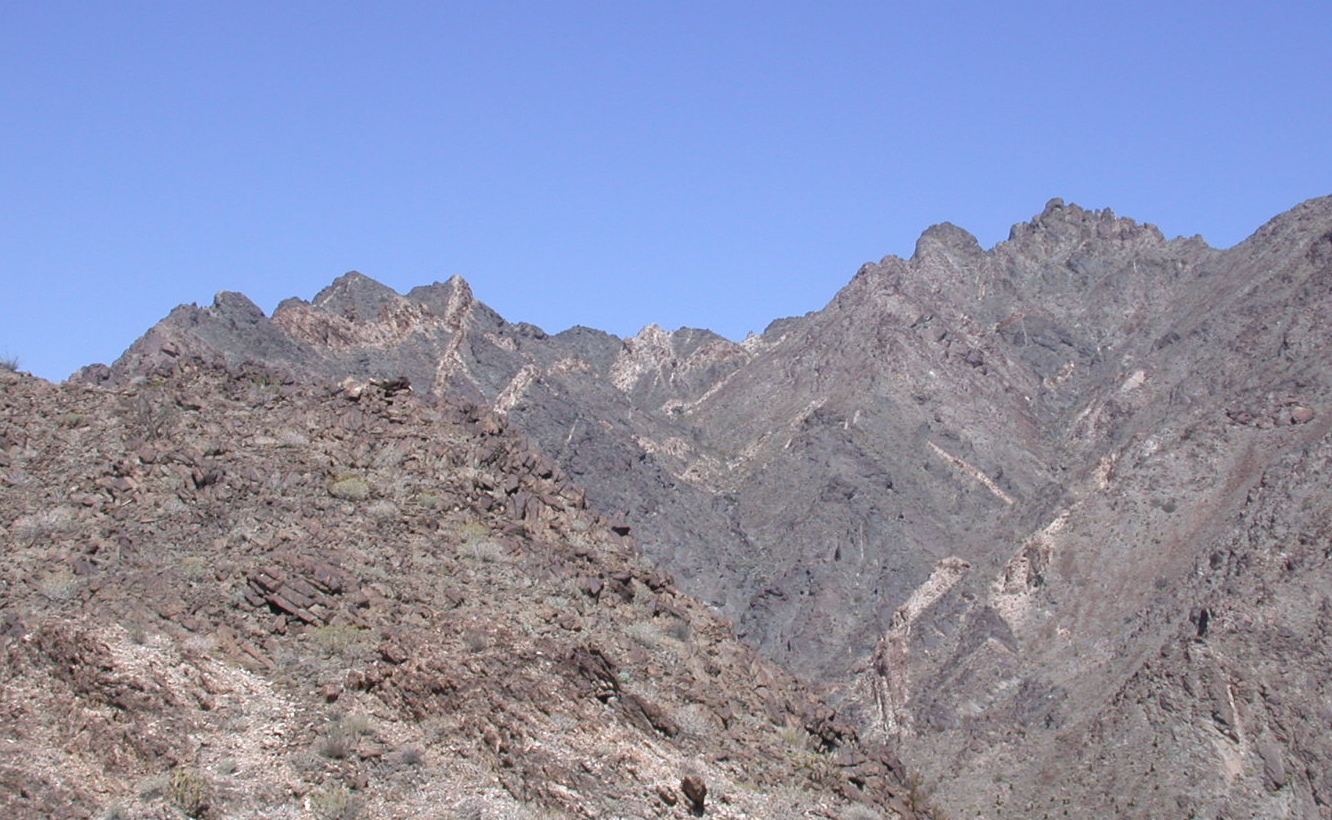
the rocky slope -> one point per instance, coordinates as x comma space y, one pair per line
988, 494
229, 595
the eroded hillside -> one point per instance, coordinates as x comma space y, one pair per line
228, 595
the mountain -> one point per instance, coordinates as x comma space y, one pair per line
229, 595
1050, 517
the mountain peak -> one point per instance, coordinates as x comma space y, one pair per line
354, 296
236, 307
1070, 223
947, 239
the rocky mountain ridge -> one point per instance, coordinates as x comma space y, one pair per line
986, 493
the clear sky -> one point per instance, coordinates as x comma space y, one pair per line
711, 164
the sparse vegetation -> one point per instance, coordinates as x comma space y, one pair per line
860, 811
678, 629
116, 811
334, 803
412, 756
487, 550
342, 736
383, 509
819, 766
472, 530
793, 737
10, 363
917, 797
349, 487
646, 633
188, 791
338, 640
32, 528
476, 640
196, 568
337, 742
697, 720
58, 586
151, 411
292, 438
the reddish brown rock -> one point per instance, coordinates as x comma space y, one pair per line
695, 791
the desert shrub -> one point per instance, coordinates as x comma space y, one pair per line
58, 586
343, 736
356, 722
487, 551
339, 639
412, 756
793, 737
32, 528
334, 803
697, 720
10, 363
430, 500
337, 742
820, 766
476, 640
646, 633
292, 438
859, 811
116, 811
188, 790
349, 487
383, 509
472, 530
196, 567
536, 811
152, 411
917, 796
677, 628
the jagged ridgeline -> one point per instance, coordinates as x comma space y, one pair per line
1041, 516
230, 595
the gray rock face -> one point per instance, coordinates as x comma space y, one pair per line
1050, 516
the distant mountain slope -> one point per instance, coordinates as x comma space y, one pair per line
984, 492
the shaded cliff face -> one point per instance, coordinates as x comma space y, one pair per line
987, 493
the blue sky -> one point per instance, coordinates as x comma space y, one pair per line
710, 164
